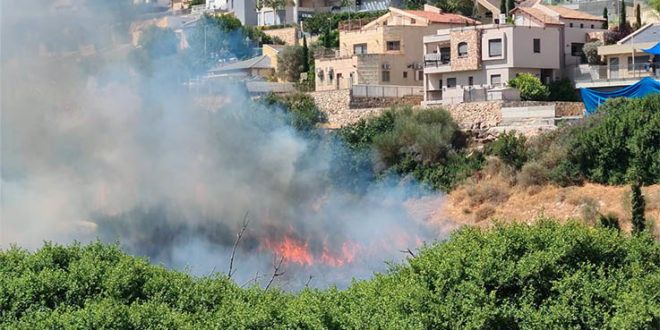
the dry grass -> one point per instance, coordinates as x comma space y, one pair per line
486, 192
484, 212
549, 200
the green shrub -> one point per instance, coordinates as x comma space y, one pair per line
303, 113
510, 148
609, 221
425, 143
512, 276
562, 90
532, 174
620, 143
530, 87
290, 63
589, 208
590, 50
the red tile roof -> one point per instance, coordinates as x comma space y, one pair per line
446, 18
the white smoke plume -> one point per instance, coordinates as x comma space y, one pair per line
92, 148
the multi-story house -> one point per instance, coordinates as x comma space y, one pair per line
386, 51
625, 62
473, 63
295, 11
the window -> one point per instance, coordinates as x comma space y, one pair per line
462, 49
640, 63
413, 21
495, 80
405, 74
445, 55
360, 49
420, 75
495, 47
592, 26
576, 49
470, 81
581, 26
393, 45
386, 76
451, 82
537, 45
329, 78
570, 25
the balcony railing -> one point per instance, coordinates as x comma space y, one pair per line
435, 60
613, 73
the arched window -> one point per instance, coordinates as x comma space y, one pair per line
462, 49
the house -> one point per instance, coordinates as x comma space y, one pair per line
473, 63
625, 62
296, 11
271, 51
386, 51
256, 67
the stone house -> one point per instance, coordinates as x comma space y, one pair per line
386, 51
473, 63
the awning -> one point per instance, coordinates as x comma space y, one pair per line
655, 50
592, 99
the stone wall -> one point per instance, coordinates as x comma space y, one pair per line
473, 59
568, 109
479, 115
288, 35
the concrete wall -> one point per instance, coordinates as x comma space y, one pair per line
576, 34
385, 91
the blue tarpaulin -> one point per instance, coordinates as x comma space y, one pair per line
592, 99
655, 50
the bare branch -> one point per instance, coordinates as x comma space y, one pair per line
254, 279
275, 273
246, 220
308, 280
407, 250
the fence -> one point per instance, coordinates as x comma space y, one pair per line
385, 91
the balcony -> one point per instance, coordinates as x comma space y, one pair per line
603, 76
437, 63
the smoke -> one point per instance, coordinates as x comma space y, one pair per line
94, 148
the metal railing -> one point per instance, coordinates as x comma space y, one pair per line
436, 59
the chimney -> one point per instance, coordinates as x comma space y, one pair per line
432, 9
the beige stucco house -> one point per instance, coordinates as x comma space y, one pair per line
626, 59
386, 51
473, 63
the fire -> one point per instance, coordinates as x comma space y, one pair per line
294, 250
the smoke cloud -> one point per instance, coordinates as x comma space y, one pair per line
94, 148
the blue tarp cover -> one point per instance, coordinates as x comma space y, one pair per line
592, 99
655, 50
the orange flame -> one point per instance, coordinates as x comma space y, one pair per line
297, 251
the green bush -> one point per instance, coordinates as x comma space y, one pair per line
303, 113
620, 143
547, 275
290, 63
426, 144
562, 90
510, 148
590, 50
530, 87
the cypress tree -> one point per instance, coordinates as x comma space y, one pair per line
605, 16
509, 6
305, 55
503, 8
637, 202
622, 15
638, 17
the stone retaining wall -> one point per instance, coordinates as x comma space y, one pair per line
384, 102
